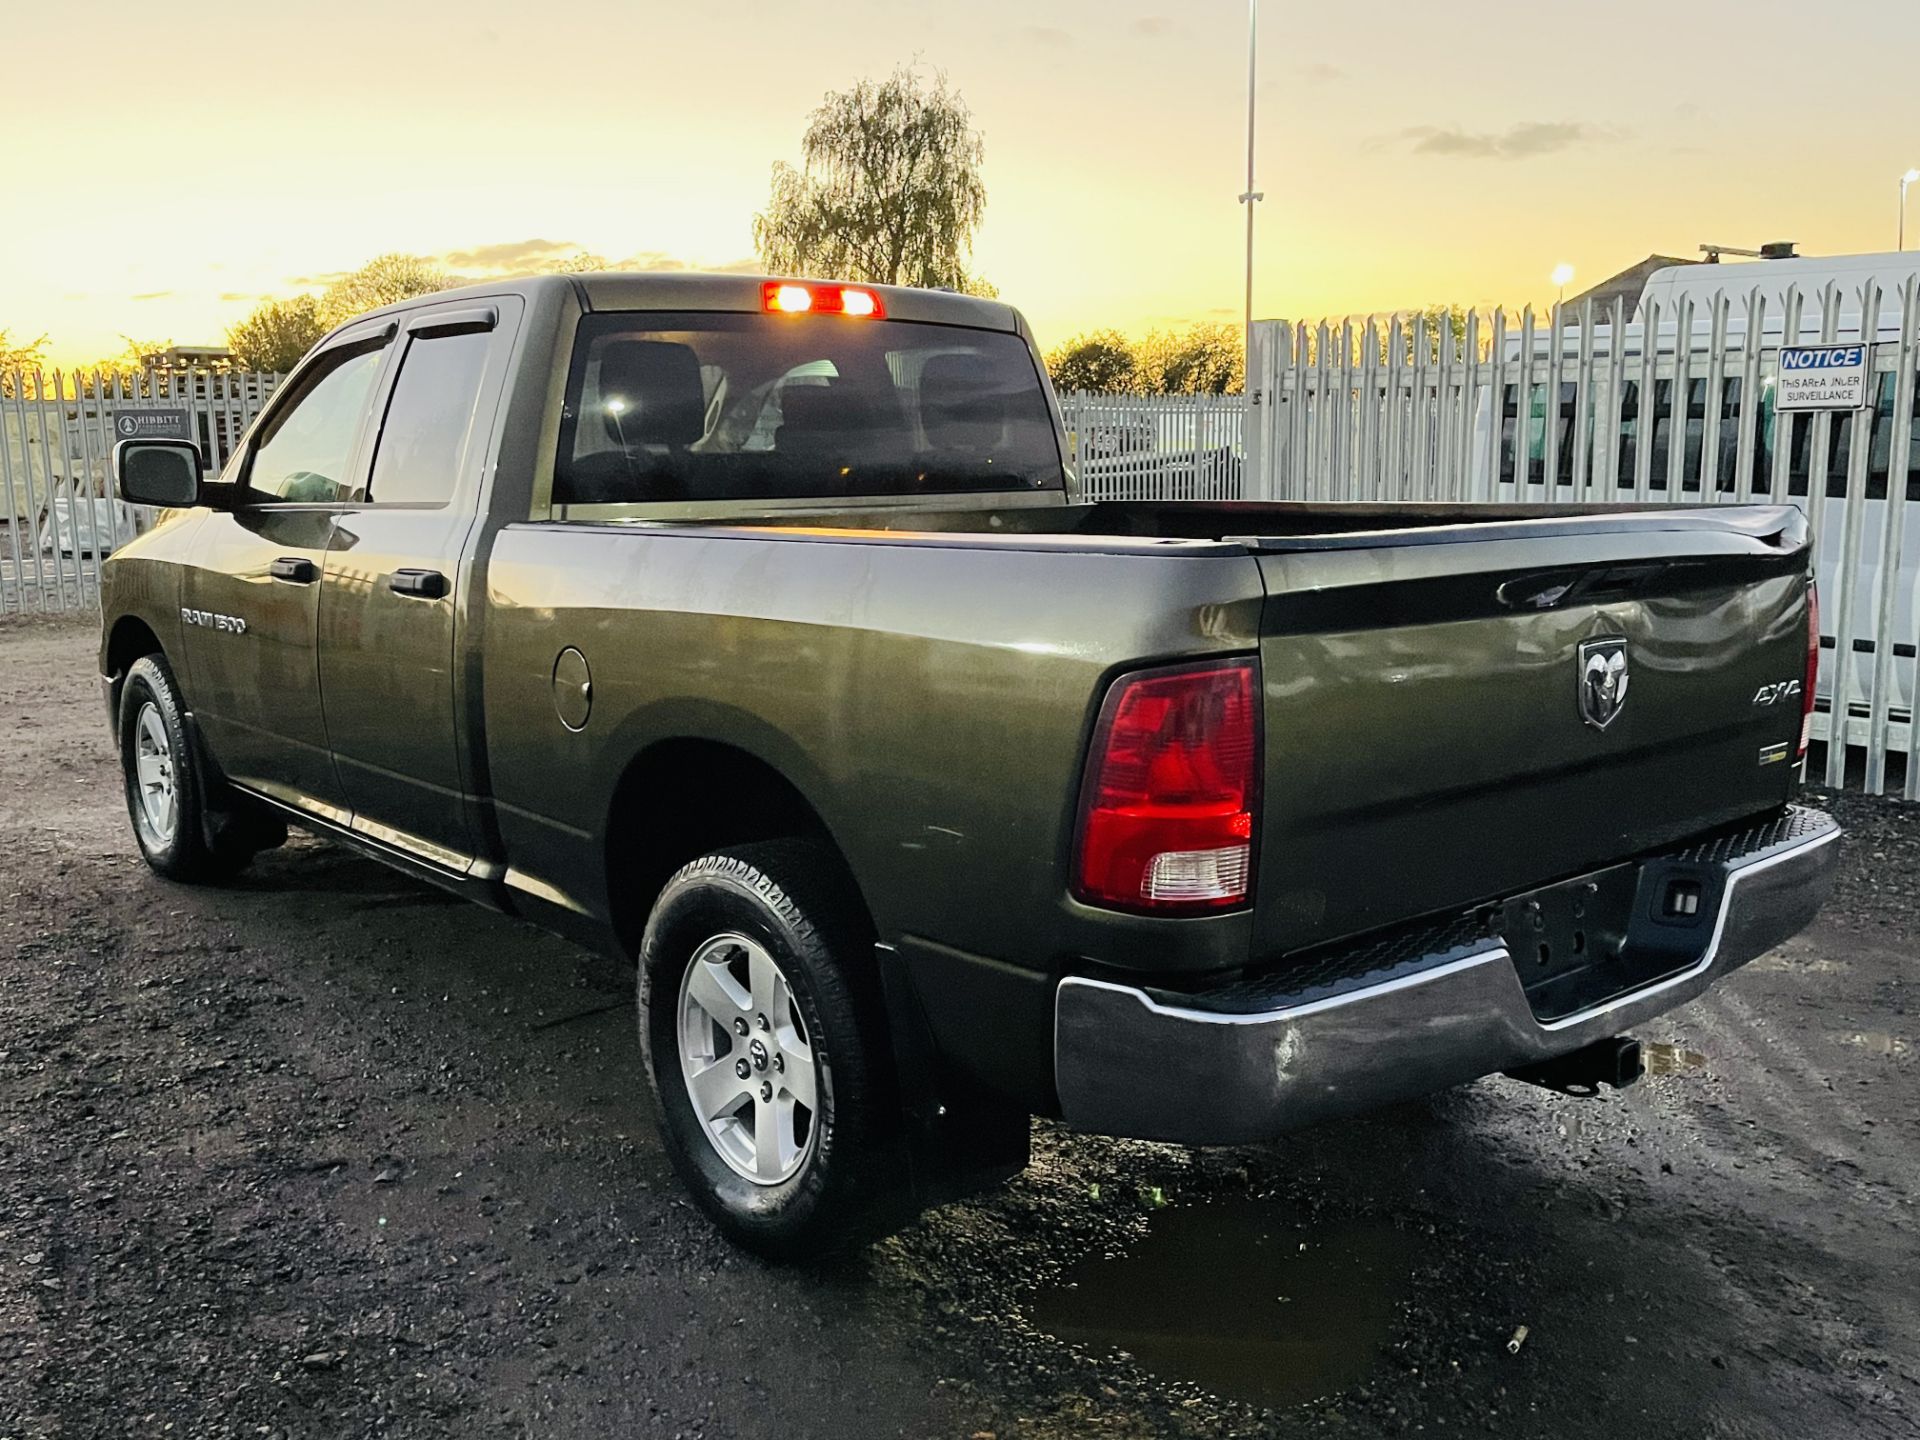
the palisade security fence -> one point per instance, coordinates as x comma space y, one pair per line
59, 517
58, 514
1673, 405
1670, 406
1155, 447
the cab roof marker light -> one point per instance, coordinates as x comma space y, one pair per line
792, 297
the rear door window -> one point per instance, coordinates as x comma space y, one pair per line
745, 406
424, 436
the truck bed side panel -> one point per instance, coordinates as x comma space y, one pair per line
931, 702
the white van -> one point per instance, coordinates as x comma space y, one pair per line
1812, 274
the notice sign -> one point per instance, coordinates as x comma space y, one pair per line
1823, 377
153, 425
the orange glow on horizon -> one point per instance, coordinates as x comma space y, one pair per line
1433, 161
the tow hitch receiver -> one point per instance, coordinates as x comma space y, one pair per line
1616, 1062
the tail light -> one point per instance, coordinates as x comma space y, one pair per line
1167, 808
1813, 669
793, 297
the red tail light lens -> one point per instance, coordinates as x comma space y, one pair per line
1167, 809
1813, 669
794, 297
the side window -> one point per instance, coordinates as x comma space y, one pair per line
424, 437
1626, 466
304, 452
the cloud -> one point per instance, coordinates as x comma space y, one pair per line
1047, 35
1319, 72
508, 254
153, 295
651, 260
229, 297
1152, 25
320, 281
1523, 141
661, 260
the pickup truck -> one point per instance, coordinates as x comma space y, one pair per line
752, 630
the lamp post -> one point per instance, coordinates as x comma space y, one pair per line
1905, 180
1562, 277
1250, 196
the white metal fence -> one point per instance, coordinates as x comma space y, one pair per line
58, 516
59, 519
1671, 407
1155, 447
1580, 406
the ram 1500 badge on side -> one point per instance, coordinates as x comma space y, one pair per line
754, 630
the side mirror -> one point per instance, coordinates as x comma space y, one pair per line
158, 472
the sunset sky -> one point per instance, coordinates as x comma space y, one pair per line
167, 166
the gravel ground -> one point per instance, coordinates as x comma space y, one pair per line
329, 1153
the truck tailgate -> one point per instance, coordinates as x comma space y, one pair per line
1426, 746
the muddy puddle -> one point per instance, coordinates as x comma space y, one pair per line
1670, 1059
1245, 1298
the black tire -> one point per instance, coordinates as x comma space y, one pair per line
793, 899
202, 844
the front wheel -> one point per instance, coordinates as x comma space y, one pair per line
167, 795
765, 1049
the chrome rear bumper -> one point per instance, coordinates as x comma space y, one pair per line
1231, 1069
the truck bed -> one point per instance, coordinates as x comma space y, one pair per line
1271, 526
1425, 751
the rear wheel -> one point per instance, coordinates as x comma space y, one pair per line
180, 833
766, 1053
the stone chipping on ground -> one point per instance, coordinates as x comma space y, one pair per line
328, 1153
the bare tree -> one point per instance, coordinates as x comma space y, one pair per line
889, 191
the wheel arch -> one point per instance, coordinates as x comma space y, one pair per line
128, 639
683, 797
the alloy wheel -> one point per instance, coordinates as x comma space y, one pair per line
154, 773
747, 1060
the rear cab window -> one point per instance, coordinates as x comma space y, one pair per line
665, 407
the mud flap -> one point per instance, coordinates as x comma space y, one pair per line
958, 1139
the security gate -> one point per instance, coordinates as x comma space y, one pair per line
57, 431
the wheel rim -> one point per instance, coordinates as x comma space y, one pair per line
153, 772
747, 1060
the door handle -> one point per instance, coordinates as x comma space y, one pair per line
296, 569
420, 584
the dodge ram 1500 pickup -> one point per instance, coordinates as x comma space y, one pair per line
754, 630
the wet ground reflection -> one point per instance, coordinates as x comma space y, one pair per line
1247, 1298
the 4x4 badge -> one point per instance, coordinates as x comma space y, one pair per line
1603, 680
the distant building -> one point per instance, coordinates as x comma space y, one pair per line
188, 357
1625, 286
